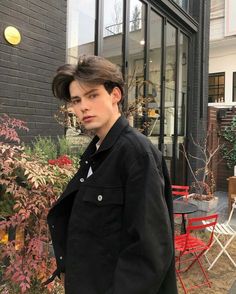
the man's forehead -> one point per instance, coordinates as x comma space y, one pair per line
83, 88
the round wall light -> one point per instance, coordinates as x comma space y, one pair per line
12, 35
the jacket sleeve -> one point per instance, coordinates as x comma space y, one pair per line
145, 260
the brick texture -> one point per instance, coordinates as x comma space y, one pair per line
26, 70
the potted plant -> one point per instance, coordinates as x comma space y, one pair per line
203, 185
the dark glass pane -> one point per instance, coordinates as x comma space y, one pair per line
216, 87
183, 80
221, 80
136, 66
211, 80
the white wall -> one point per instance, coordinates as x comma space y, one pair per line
223, 59
222, 55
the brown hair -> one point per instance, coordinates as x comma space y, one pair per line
90, 69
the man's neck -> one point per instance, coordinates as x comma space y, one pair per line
102, 135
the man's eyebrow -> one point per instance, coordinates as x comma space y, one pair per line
74, 97
85, 94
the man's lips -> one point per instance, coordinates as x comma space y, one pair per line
87, 118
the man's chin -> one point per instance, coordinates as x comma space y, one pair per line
90, 127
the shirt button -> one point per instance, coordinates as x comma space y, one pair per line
81, 180
53, 226
61, 257
99, 197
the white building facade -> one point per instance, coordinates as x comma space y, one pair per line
222, 55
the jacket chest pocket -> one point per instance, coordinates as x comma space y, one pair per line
102, 210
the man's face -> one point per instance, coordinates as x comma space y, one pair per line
95, 108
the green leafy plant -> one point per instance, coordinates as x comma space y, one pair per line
45, 148
229, 149
42, 147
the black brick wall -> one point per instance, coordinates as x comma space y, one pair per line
26, 70
198, 75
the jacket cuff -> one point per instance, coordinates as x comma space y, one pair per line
56, 273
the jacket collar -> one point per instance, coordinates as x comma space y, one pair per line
109, 140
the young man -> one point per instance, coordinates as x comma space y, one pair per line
112, 228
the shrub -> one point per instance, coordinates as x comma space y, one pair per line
229, 149
42, 147
28, 188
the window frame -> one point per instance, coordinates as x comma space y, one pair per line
216, 74
234, 87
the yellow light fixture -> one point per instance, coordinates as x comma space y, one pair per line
12, 35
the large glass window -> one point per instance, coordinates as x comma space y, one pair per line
80, 28
216, 91
136, 65
112, 30
182, 89
234, 86
170, 92
180, 163
155, 66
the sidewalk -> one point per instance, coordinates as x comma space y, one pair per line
222, 210
232, 290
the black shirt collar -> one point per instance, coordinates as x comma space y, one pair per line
109, 139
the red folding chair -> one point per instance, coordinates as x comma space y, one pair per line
180, 192
191, 246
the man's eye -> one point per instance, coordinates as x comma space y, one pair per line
93, 95
74, 102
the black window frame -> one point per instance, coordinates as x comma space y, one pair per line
234, 87
216, 86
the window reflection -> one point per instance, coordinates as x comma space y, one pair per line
155, 64
112, 30
81, 15
216, 87
170, 77
169, 97
182, 95
136, 84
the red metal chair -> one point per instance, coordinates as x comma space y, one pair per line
180, 191
191, 246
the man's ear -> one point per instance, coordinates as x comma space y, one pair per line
116, 95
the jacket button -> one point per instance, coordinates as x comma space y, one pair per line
81, 180
86, 161
53, 226
61, 257
99, 197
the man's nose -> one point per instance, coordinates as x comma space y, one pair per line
84, 105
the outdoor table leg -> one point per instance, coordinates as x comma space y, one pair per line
183, 225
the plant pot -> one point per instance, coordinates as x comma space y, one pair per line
203, 205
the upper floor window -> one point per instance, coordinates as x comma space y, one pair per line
216, 87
